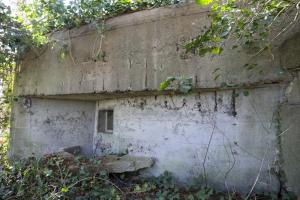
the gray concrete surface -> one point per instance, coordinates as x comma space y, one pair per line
45, 126
141, 50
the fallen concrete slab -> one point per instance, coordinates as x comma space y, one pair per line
75, 150
127, 163
109, 163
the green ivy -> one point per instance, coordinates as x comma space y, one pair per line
51, 178
13, 39
181, 84
46, 16
246, 23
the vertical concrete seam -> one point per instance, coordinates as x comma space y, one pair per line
233, 102
278, 171
146, 75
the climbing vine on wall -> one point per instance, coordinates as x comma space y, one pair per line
46, 16
247, 23
181, 84
12, 41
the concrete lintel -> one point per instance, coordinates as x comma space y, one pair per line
122, 94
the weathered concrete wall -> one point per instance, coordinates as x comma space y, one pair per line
290, 116
141, 50
45, 126
290, 140
176, 131
122, 69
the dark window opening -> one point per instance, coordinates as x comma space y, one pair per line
105, 121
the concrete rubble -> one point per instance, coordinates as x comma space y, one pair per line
117, 164
109, 163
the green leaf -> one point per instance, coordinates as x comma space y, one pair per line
64, 189
214, 7
190, 197
163, 85
246, 93
216, 51
216, 39
236, 95
137, 188
203, 2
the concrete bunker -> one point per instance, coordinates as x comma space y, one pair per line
113, 106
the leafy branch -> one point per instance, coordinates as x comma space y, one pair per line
247, 23
181, 84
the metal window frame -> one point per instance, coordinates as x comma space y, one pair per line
106, 130
106, 121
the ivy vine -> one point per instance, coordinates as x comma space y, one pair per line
13, 39
246, 23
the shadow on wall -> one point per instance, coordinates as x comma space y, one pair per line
290, 114
42, 126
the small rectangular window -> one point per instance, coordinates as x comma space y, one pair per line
105, 121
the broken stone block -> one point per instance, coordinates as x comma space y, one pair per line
75, 150
117, 164
65, 156
110, 163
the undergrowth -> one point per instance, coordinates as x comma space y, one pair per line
51, 178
